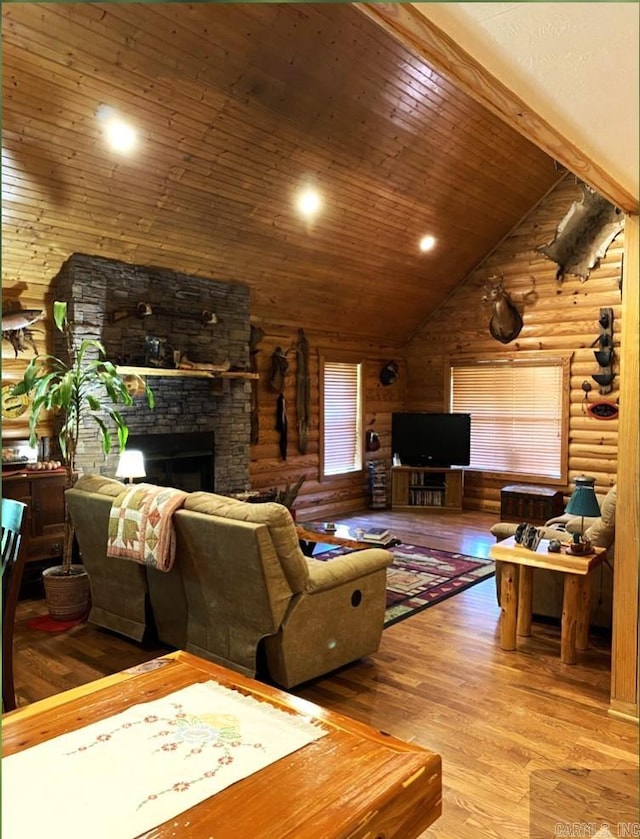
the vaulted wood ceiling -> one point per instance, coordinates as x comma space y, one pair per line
237, 106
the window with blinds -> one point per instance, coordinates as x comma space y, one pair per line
518, 414
342, 418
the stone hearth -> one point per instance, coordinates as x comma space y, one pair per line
103, 295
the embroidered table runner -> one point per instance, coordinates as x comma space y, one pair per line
127, 774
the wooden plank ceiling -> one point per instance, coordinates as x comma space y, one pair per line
237, 106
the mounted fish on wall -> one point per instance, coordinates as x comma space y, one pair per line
584, 235
15, 326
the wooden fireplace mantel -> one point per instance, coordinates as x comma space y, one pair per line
200, 374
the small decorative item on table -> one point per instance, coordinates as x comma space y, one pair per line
583, 502
528, 536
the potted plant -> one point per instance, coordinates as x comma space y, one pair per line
82, 388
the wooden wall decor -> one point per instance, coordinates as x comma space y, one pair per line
303, 391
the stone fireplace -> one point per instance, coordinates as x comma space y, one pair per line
104, 298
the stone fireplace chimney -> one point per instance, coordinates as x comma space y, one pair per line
103, 297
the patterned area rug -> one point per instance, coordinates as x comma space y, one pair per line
422, 577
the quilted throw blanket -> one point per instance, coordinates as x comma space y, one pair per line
141, 526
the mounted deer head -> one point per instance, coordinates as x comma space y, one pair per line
506, 320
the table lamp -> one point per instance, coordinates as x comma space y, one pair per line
130, 465
583, 502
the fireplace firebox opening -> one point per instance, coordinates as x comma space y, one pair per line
184, 461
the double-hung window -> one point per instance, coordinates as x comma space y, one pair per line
519, 414
341, 417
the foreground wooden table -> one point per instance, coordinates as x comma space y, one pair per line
354, 783
516, 604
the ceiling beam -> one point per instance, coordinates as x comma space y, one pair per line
418, 34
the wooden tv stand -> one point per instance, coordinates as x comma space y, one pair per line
426, 487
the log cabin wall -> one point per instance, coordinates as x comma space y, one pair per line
331, 497
564, 317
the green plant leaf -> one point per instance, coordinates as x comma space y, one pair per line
121, 427
60, 314
80, 388
105, 435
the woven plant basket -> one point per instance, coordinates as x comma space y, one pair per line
68, 596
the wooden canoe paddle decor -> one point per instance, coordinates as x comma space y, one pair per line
584, 235
303, 391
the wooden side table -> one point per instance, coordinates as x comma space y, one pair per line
516, 596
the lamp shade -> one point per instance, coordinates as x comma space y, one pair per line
583, 501
131, 464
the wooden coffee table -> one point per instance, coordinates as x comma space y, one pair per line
353, 783
311, 534
516, 603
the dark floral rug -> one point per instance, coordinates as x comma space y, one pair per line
421, 577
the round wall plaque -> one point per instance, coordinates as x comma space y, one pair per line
13, 406
603, 410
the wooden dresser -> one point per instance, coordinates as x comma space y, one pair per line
43, 493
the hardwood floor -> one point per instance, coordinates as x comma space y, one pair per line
518, 732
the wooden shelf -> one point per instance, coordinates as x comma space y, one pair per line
415, 488
196, 374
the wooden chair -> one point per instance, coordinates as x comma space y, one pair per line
13, 560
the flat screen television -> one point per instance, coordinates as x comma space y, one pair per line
425, 439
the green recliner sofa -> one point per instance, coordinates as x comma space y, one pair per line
239, 584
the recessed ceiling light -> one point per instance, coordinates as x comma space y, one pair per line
120, 134
427, 243
309, 202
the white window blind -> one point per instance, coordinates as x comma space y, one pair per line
516, 415
342, 448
